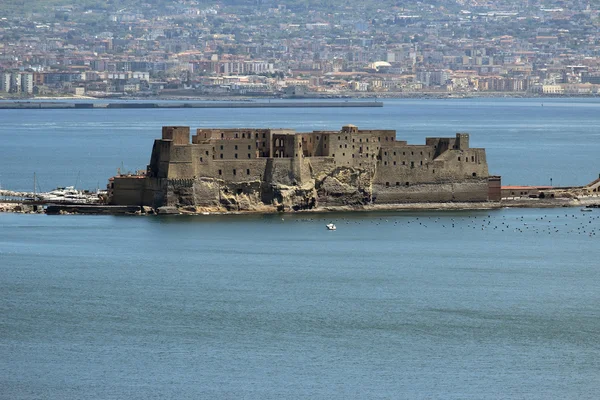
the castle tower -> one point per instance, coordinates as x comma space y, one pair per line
462, 141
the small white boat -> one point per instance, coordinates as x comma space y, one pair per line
586, 209
331, 226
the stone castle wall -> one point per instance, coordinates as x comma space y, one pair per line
252, 168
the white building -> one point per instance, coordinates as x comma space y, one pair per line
15, 83
27, 83
5, 82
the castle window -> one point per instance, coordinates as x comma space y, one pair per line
235, 155
352, 140
403, 162
421, 162
236, 135
394, 153
434, 171
379, 138
360, 140
243, 136
412, 164
221, 156
220, 172
473, 158
222, 135
387, 184
412, 153
200, 159
234, 171
339, 137
421, 153
407, 184
317, 138
352, 155
343, 154
333, 155
385, 163
345, 146
346, 138
340, 146
394, 162
474, 173
458, 158
247, 172
264, 144
206, 152
221, 147
264, 136
256, 136
397, 183
249, 147
385, 153
236, 146
325, 145
403, 153
249, 156
367, 140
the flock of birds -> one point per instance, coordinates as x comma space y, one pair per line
571, 222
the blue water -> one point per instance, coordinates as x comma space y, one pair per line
463, 305
528, 141
395, 305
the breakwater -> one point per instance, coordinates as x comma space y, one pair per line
43, 105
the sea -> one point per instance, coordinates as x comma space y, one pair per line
480, 304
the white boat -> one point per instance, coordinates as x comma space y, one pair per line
586, 209
331, 226
68, 194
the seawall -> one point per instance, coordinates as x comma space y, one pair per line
39, 105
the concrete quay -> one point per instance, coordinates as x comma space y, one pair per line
42, 105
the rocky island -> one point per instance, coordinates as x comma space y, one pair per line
266, 170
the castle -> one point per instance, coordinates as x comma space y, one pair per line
250, 169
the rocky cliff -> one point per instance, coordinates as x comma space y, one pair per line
335, 187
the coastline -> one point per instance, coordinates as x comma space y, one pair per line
24, 208
179, 96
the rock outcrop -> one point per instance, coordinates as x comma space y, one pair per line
337, 187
